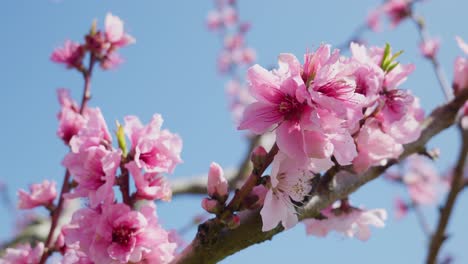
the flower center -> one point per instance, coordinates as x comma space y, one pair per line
122, 235
290, 108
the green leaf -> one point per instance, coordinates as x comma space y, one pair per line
121, 139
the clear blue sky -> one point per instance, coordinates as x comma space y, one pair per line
172, 70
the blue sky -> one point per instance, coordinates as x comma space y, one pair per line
172, 70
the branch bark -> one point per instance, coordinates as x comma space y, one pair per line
214, 243
439, 236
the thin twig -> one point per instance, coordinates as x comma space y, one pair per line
439, 235
424, 36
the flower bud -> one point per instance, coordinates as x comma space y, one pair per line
210, 205
258, 156
217, 184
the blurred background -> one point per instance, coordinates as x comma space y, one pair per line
172, 70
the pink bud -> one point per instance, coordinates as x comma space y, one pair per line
429, 48
258, 156
210, 205
217, 184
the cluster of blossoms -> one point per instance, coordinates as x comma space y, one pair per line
330, 110
23, 253
101, 45
224, 20
347, 220
106, 231
422, 180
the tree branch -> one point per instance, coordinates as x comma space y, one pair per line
439, 236
214, 243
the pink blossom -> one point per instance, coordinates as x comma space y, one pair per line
277, 104
401, 116
116, 234
232, 42
290, 181
115, 33
353, 223
244, 56
422, 179
229, 15
71, 54
224, 61
238, 97
73, 255
23, 254
374, 146
111, 61
397, 10
328, 135
460, 76
150, 185
217, 184
398, 75
70, 120
369, 82
154, 150
94, 133
373, 19
162, 243
372, 57
310, 122
94, 169
334, 84
429, 48
213, 20
40, 194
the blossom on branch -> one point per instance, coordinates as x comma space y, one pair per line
351, 222
40, 194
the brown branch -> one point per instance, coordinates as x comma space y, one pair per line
439, 235
214, 243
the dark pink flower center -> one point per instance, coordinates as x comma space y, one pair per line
290, 108
337, 89
122, 235
151, 157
